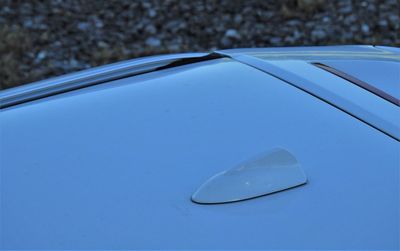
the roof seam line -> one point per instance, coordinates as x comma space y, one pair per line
358, 82
96, 78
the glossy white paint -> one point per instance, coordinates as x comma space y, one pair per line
114, 166
344, 95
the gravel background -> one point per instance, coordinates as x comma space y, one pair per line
39, 39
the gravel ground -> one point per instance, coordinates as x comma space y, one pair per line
39, 39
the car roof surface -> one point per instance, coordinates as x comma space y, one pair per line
114, 165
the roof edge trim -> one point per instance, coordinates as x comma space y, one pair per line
98, 75
314, 89
358, 82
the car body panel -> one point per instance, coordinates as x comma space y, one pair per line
113, 166
360, 103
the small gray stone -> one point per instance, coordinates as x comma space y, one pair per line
326, 19
238, 18
73, 63
318, 34
153, 42
102, 44
345, 9
151, 29
226, 42
83, 26
98, 23
293, 22
365, 28
232, 33
275, 40
173, 47
383, 23
28, 23
40, 56
152, 13
309, 5
296, 35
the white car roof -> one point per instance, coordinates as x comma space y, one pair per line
115, 165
